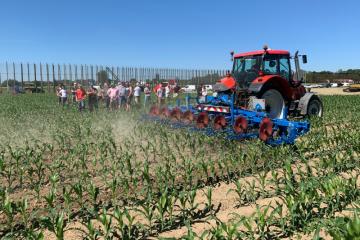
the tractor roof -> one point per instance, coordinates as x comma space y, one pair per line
260, 52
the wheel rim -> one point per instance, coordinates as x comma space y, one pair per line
274, 103
315, 108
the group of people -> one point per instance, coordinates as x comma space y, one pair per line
78, 96
121, 96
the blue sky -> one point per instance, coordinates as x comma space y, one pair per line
178, 34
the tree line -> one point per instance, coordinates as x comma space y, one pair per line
323, 76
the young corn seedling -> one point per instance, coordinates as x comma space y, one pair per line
10, 209
106, 221
126, 230
209, 205
147, 210
162, 207
50, 199
240, 192
78, 189
93, 193
264, 221
262, 182
55, 223
91, 232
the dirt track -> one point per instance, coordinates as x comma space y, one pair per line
333, 91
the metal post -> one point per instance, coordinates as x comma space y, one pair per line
41, 77
92, 73
65, 75
22, 76
28, 71
76, 75
14, 73
82, 75
53, 71
97, 74
70, 74
59, 74
112, 74
35, 78
48, 77
7, 76
86, 75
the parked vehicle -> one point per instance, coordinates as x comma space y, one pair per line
189, 88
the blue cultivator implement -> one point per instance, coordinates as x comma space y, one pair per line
229, 121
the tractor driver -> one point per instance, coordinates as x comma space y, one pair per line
255, 67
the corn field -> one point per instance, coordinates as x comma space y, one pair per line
108, 175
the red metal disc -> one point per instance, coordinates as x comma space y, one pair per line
266, 129
202, 120
219, 122
187, 116
165, 112
240, 125
154, 111
175, 114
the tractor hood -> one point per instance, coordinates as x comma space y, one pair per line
224, 84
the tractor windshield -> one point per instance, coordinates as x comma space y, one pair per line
246, 69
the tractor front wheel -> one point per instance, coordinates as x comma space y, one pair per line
315, 107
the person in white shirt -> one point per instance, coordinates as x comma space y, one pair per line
137, 92
63, 95
147, 93
204, 91
159, 94
167, 91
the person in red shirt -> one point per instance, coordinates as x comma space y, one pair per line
80, 95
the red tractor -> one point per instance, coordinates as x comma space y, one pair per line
267, 75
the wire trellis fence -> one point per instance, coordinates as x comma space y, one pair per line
45, 76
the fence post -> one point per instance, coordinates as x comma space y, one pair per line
14, 73
7, 77
76, 73
41, 78
35, 78
28, 72
53, 71
92, 74
82, 75
22, 76
48, 77
65, 75
59, 74
70, 75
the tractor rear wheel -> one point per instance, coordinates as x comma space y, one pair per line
274, 103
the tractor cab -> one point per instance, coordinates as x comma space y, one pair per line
249, 66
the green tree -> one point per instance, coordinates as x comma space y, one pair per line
102, 77
11, 82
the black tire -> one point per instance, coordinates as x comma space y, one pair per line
315, 107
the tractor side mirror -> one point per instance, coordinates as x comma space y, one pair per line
304, 59
232, 55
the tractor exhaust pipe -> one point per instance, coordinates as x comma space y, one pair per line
297, 66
